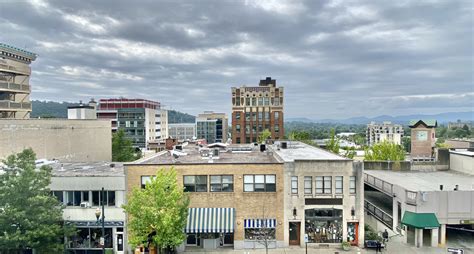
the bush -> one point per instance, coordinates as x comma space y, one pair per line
370, 233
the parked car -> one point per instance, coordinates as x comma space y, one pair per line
369, 244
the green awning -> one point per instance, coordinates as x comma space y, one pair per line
420, 220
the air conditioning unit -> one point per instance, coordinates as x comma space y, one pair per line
85, 204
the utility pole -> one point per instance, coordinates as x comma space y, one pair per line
103, 221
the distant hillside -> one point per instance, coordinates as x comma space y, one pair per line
49, 109
178, 117
52, 109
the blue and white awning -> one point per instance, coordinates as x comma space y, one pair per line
210, 220
260, 223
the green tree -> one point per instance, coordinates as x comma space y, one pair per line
158, 213
122, 149
333, 143
30, 217
406, 142
266, 134
385, 151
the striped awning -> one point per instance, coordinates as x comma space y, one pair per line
210, 220
259, 223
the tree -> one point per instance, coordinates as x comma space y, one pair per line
385, 151
158, 213
30, 217
333, 143
266, 233
122, 149
302, 136
266, 134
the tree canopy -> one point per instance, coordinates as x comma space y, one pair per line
30, 217
266, 134
385, 151
158, 213
122, 149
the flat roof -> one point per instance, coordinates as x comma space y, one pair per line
300, 151
87, 169
463, 152
232, 154
425, 181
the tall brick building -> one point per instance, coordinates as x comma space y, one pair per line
255, 109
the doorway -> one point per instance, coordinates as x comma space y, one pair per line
353, 233
295, 233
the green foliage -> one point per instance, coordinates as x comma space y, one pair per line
122, 149
385, 151
350, 152
333, 143
30, 217
442, 132
406, 142
159, 211
322, 130
266, 134
370, 233
49, 109
178, 117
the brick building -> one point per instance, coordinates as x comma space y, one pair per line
255, 109
422, 138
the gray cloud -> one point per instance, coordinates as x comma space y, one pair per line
336, 58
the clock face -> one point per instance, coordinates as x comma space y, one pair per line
422, 135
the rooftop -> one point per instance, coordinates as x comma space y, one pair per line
463, 152
87, 169
194, 154
427, 122
425, 181
300, 151
19, 50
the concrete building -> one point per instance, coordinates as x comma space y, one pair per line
15, 86
142, 120
386, 131
65, 140
255, 109
419, 205
182, 131
462, 160
423, 138
83, 111
78, 186
238, 187
212, 127
323, 196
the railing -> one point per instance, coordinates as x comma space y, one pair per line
6, 66
15, 105
14, 86
378, 213
379, 184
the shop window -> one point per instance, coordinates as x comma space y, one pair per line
294, 185
352, 185
338, 182
323, 225
258, 234
222, 183
87, 238
197, 183
259, 183
308, 185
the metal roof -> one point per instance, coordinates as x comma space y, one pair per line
427, 122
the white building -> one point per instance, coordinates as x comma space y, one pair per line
83, 111
182, 131
161, 124
78, 187
384, 132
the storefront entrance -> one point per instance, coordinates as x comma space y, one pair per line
353, 232
323, 225
295, 233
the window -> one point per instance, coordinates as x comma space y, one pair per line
237, 127
254, 116
109, 198
277, 128
260, 101
237, 116
222, 183
267, 116
308, 185
254, 101
73, 198
144, 181
247, 101
267, 101
259, 183
323, 185
59, 195
85, 196
352, 185
95, 198
247, 116
339, 181
277, 116
195, 183
258, 234
294, 185
260, 116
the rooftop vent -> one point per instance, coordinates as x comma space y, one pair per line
284, 145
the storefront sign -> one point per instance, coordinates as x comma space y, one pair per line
305, 238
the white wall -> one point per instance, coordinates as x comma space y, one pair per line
461, 163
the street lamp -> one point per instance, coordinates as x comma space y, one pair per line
102, 220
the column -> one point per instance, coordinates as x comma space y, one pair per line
434, 237
419, 239
442, 241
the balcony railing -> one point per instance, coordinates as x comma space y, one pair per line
14, 87
10, 68
378, 213
14, 106
379, 184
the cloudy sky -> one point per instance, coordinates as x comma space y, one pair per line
336, 59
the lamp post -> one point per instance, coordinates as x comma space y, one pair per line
99, 219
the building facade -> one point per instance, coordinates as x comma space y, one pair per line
423, 138
239, 188
65, 140
182, 131
255, 109
15, 86
212, 127
386, 131
323, 196
142, 120
78, 187
83, 111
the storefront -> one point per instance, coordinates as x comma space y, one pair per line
87, 238
260, 233
323, 225
210, 228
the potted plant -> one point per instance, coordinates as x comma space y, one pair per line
346, 246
